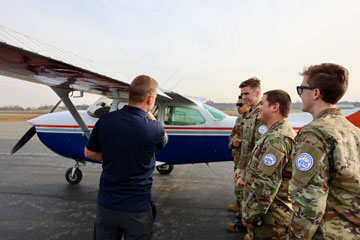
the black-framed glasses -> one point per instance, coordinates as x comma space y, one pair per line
239, 104
300, 89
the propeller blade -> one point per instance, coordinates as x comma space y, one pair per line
28, 135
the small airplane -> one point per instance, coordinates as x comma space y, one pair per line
198, 133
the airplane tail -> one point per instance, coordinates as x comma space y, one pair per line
354, 118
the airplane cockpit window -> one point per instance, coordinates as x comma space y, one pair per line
182, 116
100, 107
214, 113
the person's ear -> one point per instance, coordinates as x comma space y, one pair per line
317, 94
275, 107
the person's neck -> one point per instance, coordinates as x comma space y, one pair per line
254, 104
319, 107
274, 119
142, 106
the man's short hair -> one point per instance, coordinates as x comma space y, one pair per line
142, 87
253, 83
331, 79
281, 97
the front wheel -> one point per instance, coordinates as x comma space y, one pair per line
73, 179
165, 169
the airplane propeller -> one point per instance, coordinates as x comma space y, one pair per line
29, 134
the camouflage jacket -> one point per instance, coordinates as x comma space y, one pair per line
268, 176
326, 177
252, 131
238, 129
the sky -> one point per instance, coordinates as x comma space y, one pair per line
197, 48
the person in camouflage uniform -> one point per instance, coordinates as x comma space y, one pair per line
267, 209
252, 131
326, 161
235, 144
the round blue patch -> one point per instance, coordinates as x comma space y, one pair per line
304, 162
269, 160
262, 129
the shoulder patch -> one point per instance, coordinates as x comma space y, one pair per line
269, 160
262, 129
304, 162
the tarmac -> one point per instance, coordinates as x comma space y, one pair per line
36, 202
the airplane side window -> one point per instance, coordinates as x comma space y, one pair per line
182, 116
100, 107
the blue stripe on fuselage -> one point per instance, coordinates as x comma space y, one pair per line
179, 150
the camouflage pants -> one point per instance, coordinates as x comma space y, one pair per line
269, 232
237, 191
275, 225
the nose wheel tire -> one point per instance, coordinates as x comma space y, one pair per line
73, 178
165, 169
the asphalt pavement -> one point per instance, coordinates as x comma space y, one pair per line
36, 202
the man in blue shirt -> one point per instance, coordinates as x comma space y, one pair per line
125, 141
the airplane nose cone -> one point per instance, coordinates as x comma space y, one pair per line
33, 121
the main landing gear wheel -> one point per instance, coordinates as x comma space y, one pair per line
73, 175
165, 169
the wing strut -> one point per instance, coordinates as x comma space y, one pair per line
64, 95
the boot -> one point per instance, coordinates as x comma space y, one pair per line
247, 237
232, 228
234, 208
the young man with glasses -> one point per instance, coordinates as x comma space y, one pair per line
235, 146
326, 161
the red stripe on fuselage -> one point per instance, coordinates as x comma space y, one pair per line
61, 126
167, 128
170, 128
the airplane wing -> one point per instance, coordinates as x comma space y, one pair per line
25, 58
28, 59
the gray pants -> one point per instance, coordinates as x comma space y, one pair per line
112, 225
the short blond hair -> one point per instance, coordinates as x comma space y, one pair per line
142, 87
253, 83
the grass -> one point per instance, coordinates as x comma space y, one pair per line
17, 117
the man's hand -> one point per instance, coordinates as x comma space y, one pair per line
240, 182
246, 224
237, 174
97, 156
150, 115
236, 141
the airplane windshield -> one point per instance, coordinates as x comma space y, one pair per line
100, 107
214, 113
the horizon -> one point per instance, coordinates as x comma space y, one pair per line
210, 102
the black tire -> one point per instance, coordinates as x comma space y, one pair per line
76, 178
165, 169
